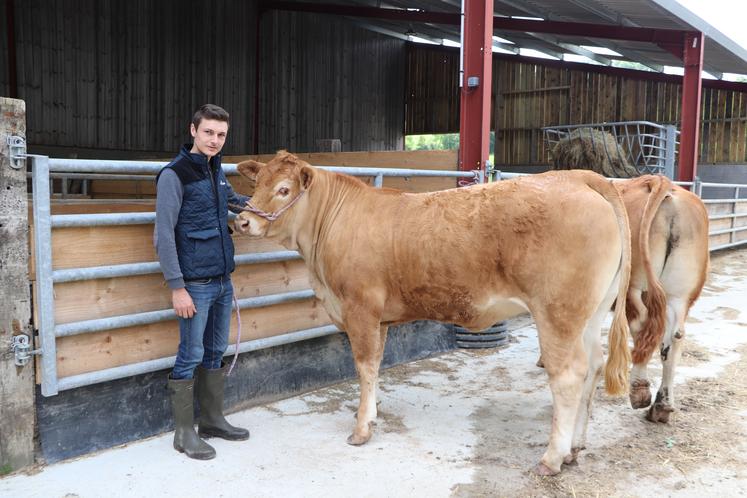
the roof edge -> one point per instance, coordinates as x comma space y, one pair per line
697, 22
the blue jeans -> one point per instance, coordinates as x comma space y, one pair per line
204, 338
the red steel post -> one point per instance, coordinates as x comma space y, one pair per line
691, 89
476, 84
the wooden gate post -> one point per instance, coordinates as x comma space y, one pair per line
16, 383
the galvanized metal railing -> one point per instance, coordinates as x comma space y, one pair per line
649, 147
43, 168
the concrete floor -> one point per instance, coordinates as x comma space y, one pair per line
467, 423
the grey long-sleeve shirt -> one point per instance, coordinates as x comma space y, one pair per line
169, 193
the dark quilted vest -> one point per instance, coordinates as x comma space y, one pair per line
203, 244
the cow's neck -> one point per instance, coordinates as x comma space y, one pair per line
325, 200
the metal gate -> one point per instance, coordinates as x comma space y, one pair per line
47, 276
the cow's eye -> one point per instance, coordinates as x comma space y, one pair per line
283, 191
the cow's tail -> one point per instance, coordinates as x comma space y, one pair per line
618, 358
654, 299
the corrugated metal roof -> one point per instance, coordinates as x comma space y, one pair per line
722, 54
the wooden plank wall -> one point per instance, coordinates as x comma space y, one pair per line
530, 95
97, 246
123, 75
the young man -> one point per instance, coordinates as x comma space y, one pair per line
196, 254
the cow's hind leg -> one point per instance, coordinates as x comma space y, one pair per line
640, 386
595, 359
566, 365
671, 350
367, 342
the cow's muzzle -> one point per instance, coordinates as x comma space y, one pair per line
242, 225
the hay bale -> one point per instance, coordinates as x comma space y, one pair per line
597, 150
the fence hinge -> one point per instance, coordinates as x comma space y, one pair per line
22, 349
17, 151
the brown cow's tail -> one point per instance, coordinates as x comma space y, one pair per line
654, 299
618, 358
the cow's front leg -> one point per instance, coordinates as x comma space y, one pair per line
367, 342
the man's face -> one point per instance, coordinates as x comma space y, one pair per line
209, 137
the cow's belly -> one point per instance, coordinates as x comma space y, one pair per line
465, 309
495, 310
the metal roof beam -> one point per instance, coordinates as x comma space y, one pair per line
633, 55
509, 47
627, 22
603, 13
541, 48
576, 49
389, 32
361, 11
668, 39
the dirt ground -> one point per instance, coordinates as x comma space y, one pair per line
700, 452
464, 424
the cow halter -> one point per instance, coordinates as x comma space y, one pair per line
263, 214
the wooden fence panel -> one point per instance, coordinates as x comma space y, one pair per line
90, 299
111, 348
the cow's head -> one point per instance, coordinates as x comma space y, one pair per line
278, 185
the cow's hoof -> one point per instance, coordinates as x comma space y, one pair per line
640, 394
659, 412
543, 470
357, 440
540, 363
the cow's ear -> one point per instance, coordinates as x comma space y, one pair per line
250, 168
307, 176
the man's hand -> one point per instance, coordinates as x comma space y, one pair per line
183, 305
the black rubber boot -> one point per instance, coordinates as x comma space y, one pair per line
210, 398
185, 437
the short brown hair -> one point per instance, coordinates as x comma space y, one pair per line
209, 111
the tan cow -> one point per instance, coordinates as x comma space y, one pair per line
669, 231
555, 244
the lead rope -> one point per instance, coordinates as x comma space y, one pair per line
263, 214
270, 217
238, 335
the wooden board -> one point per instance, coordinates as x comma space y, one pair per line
97, 206
81, 247
123, 188
91, 299
96, 351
